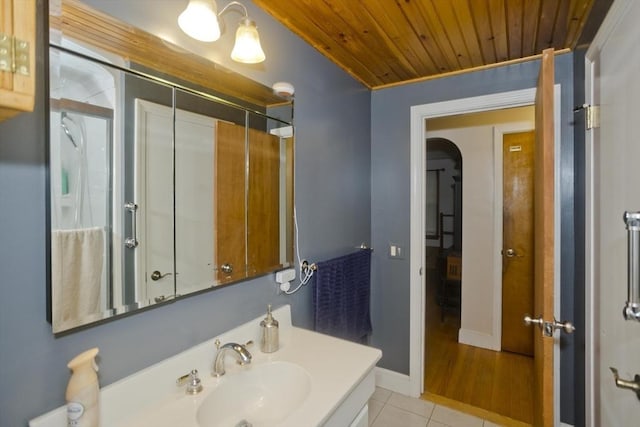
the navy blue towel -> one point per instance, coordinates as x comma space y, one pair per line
341, 296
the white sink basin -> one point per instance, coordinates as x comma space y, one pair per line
260, 396
313, 380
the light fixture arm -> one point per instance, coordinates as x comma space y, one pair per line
201, 21
235, 3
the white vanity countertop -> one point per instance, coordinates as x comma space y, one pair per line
151, 398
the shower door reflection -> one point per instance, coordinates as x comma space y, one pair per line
81, 211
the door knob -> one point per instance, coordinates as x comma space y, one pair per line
548, 328
511, 253
156, 275
227, 268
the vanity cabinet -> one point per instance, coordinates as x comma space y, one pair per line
17, 56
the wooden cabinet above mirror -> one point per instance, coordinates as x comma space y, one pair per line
17, 56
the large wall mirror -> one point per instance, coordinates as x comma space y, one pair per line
163, 182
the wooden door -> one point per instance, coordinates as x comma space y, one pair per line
517, 241
230, 217
544, 241
263, 226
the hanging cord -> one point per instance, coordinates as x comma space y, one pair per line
306, 271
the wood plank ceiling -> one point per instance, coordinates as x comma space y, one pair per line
387, 42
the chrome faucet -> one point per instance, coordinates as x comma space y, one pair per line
239, 351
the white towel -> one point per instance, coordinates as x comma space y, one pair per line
76, 275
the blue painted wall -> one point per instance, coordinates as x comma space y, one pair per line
390, 196
352, 186
333, 197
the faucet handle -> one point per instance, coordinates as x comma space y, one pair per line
194, 385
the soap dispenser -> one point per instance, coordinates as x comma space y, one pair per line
270, 340
83, 392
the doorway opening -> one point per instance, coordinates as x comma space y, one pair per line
443, 208
464, 366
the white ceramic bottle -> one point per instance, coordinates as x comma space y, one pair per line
83, 391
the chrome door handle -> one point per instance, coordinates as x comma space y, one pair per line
227, 268
132, 242
631, 309
548, 328
165, 297
156, 275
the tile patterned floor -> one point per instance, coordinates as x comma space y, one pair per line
389, 409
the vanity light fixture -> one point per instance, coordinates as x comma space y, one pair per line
200, 21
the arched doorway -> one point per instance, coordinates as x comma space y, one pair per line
443, 207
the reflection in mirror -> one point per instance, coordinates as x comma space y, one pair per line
148, 187
82, 212
159, 187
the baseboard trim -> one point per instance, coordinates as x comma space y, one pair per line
565, 425
393, 381
478, 339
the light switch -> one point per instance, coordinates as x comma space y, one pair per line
395, 251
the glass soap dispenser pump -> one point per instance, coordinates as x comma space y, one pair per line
270, 340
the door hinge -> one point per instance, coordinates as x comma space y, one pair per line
14, 55
592, 115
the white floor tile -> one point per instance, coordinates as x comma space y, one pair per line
436, 424
381, 394
390, 416
490, 424
416, 406
454, 418
375, 406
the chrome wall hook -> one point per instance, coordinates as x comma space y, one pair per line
633, 385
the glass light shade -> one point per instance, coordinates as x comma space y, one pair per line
200, 20
247, 48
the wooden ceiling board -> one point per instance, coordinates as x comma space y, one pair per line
530, 29
498, 21
514, 12
388, 42
324, 31
467, 25
389, 61
425, 37
399, 40
442, 11
579, 14
547, 20
482, 22
560, 26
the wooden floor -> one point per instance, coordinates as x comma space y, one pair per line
474, 378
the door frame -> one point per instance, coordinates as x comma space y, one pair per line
419, 115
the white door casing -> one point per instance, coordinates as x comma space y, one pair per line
419, 114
